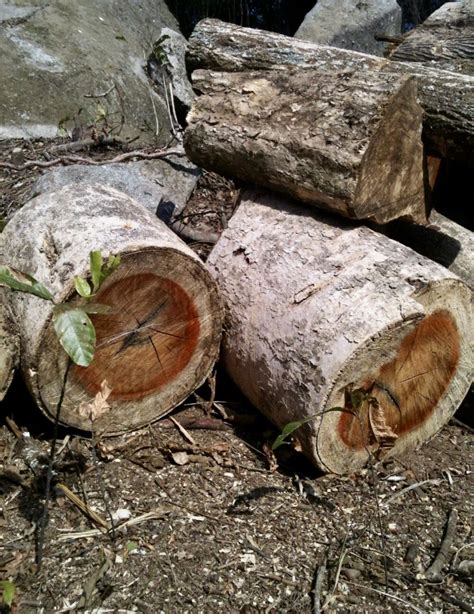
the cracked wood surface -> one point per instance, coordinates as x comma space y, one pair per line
447, 98
348, 142
161, 338
316, 307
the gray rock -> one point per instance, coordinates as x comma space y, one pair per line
56, 54
352, 24
172, 47
147, 181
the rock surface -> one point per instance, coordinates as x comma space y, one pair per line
59, 58
351, 24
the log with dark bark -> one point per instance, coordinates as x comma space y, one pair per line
445, 40
349, 142
161, 337
447, 98
316, 309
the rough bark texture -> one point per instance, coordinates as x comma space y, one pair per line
160, 339
314, 308
9, 344
442, 240
447, 99
333, 141
445, 40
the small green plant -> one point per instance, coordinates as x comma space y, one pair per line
71, 321
356, 396
8, 592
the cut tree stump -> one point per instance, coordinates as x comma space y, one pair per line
9, 344
445, 40
161, 337
447, 98
348, 142
316, 309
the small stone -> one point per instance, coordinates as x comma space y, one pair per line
466, 569
411, 553
351, 574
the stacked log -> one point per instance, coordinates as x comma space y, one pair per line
445, 40
447, 98
333, 141
161, 337
317, 308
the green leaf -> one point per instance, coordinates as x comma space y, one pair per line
82, 287
76, 334
286, 431
21, 282
131, 546
8, 589
95, 259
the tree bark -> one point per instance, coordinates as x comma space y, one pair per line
333, 141
445, 40
447, 98
9, 345
442, 240
315, 309
161, 338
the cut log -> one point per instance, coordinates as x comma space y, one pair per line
161, 337
333, 141
316, 310
442, 240
447, 98
445, 40
9, 345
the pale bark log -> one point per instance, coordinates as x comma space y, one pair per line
445, 40
314, 308
333, 141
447, 98
162, 336
442, 240
9, 344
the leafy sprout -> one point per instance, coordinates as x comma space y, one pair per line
72, 325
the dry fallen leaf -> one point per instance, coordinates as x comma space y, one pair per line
98, 406
383, 433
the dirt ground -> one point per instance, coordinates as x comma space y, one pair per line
194, 514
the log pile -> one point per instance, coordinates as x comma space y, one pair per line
355, 321
319, 309
161, 337
219, 46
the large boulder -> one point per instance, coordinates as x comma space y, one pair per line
81, 65
352, 24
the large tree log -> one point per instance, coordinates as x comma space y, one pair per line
315, 309
9, 345
333, 141
445, 40
442, 240
160, 339
447, 98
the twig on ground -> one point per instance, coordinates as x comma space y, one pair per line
102, 141
103, 95
85, 509
340, 563
43, 523
183, 431
462, 425
388, 595
408, 488
65, 160
434, 571
318, 585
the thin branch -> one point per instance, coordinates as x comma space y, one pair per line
434, 572
66, 160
